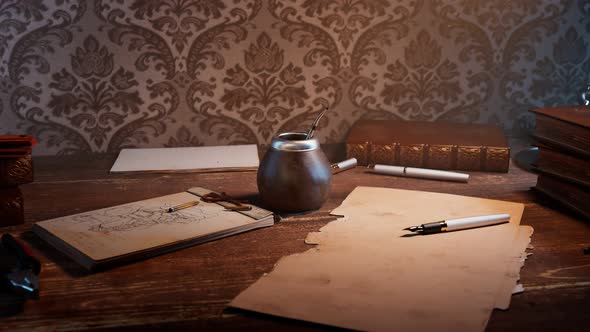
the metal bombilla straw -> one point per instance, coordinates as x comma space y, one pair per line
315, 124
584, 97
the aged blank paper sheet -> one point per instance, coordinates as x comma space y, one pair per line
363, 274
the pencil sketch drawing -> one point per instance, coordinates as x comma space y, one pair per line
131, 217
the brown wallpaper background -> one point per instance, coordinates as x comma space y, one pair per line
106, 74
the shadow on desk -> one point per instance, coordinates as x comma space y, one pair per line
64, 262
235, 320
10, 304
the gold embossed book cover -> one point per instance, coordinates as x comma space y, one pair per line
471, 147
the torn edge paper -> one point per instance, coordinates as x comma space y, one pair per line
363, 274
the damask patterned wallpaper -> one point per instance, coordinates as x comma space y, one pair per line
106, 74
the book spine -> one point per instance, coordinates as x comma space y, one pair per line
564, 166
11, 206
540, 140
571, 196
16, 171
469, 158
562, 132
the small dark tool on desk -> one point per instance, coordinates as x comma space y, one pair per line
223, 197
19, 270
460, 223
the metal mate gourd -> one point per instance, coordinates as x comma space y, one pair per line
295, 175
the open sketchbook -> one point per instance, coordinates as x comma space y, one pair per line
137, 230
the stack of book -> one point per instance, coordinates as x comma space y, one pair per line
563, 137
16, 168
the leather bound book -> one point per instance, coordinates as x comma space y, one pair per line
11, 206
15, 171
15, 146
16, 164
566, 193
566, 128
568, 167
436, 145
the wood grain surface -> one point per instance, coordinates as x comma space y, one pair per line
189, 289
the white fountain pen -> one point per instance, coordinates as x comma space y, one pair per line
419, 173
460, 223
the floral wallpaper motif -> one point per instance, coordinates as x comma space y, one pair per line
422, 87
94, 99
272, 93
101, 75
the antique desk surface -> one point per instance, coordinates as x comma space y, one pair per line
190, 289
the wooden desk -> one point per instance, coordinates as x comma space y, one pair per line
191, 288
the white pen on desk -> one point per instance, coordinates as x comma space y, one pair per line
423, 173
344, 165
460, 223
182, 206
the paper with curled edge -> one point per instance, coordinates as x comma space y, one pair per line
363, 275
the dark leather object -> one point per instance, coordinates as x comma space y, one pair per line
16, 171
294, 175
568, 194
566, 128
11, 206
576, 115
437, 145
16, 164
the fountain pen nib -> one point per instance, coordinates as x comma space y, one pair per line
413, 228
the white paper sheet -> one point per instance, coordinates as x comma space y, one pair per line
230, 157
